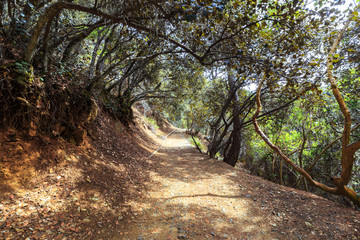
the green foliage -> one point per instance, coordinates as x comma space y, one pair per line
152, 122
179, 55
197, 142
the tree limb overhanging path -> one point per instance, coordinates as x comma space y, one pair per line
193, 197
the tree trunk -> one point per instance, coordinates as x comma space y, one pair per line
44, 19
9, 3
45, 45
80, 37
281, 173
196, 145
51, 12
233, 154
1, 12
213, 147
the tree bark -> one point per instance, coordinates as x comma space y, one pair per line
68, 50
281, 173
50, 13
347, 157
233, 154
347, 150
196, 145
214, 145
44, 19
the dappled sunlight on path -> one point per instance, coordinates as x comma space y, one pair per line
193, 197
110, 188
190, 196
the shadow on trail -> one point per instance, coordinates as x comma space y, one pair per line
187, 164
109, 189
204, 219
191, 196
196, 222
206, 195
83, 193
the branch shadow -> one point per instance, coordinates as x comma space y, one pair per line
83, 193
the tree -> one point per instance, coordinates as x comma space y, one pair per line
347, 150
122, 52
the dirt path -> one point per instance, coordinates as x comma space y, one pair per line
193, 197
109, 188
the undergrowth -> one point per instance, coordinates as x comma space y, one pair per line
30, 103
152, 122
56, 102
197, 142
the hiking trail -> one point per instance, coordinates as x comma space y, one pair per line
194, 197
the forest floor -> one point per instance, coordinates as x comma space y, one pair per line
110, 188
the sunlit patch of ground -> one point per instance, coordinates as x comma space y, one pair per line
193, 197
110, 188
188, 201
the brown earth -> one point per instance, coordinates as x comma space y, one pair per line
109, 188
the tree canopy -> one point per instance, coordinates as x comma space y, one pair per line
198, 62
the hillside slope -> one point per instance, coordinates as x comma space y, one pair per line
109, 188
